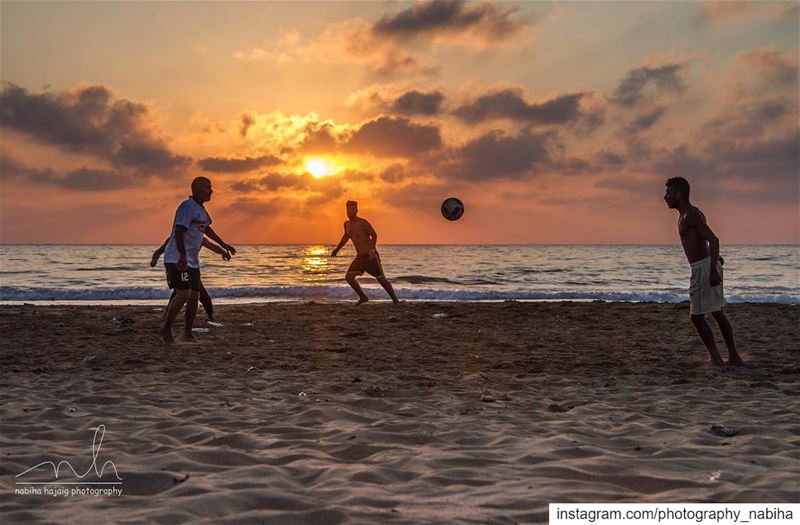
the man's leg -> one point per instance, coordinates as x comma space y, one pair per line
707, 336
727, 334
388, 287
191, 311
174, 307
171, 297
351, 280
205, 300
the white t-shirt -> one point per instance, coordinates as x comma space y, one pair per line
195, 219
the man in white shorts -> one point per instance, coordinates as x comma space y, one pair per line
701, 247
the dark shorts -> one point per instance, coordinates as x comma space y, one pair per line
362, 263
189, 279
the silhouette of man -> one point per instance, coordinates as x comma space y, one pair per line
181, 257
367, 259
701, 247
205, 297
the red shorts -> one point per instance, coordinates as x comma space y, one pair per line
362, 263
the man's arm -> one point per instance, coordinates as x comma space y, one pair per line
216, 249
214, 237
342, 242
713, 246
373, 239
179, 230
158, 253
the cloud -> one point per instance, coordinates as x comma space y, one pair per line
247, 122
715, 11
644, 121
772, 66
497, 155
484, 21
236, 165
349, 41
388, 98
89, 120
752, 118
630, 90
418, 103
509, 103
394, 137
81, 179
252, 206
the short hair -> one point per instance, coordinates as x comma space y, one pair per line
352, 203
680, 184
197, 180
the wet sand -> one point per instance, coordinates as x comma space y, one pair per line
324, 413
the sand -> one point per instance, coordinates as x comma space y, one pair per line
324, 413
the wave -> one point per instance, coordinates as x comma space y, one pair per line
9, 293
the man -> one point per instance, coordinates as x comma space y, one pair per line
367, 258
701, 247
181, 257
205, 297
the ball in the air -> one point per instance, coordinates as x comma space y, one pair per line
452, 209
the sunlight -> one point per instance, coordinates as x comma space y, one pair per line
318, 168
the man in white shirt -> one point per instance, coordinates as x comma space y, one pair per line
182, 257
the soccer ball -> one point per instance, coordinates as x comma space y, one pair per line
452, 209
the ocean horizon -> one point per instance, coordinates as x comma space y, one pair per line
121, 273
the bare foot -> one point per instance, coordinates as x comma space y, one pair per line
717, 363
735, 361
166, 336
189, 338
362, 301
396, 301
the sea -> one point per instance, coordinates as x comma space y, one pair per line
121, 274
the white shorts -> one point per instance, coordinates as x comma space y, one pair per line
704, 298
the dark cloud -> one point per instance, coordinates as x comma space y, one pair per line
773, 66
442, 17
510, 104
630, 89
318, 190
89, 120
417, 196
394, 137
394, 173
418, 103
681, 162
320, 137
644, 121
236, 165
252, 206
149, 157
746, 120
81, 179
246, 123
609, 158
771, 159
497, 155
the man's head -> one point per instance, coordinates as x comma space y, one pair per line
352, 209
677, 192
201, 189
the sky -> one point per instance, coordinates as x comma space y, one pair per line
554, 122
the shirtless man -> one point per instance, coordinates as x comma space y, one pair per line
367, 258
701, 247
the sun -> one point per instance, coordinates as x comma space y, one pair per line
317, 167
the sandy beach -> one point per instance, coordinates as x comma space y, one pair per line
422, 413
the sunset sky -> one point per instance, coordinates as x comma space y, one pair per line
554, 122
